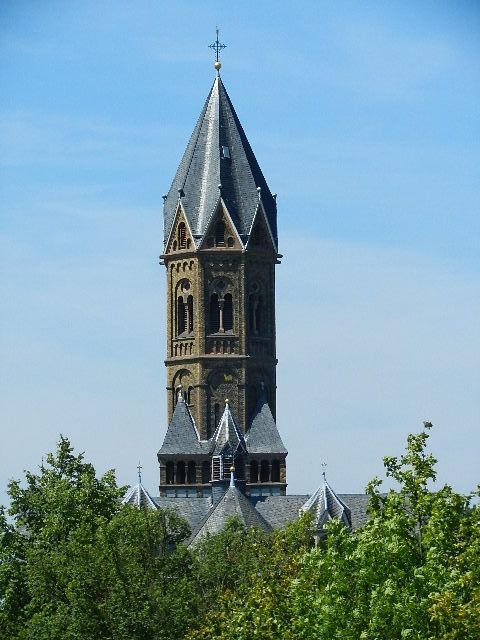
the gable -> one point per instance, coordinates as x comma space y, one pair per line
221, 232
181, 238
260, 237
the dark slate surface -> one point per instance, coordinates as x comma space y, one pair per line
193, 510
263, 435
357, 503
182, 436
277, 511
233, 503
203, 168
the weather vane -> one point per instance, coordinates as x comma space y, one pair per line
324, 467
217, 46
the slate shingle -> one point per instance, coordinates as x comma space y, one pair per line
233, 503
203, 167
182, 435
263, 435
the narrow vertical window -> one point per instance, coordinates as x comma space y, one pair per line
182, 236
220, 234
264, 471
191, 472
190, 313
181, 315
276, 471
251, 312
180, 472
170, 472
205, 472
214, 314
228, 313
253, 471
259, 316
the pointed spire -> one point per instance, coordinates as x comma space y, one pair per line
263, 435
182, 435
218, 153
227, 437
326, 505
232, 503
138, 496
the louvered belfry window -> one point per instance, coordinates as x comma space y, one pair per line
182, 236
220, 234
216, 468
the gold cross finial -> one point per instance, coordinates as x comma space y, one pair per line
217, 46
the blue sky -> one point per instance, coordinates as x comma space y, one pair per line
365, 119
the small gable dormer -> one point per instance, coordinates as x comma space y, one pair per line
260, 237
181, 238
221, 232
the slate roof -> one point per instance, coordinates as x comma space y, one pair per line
326, 505
204, 166
233, 503
227, 437
138, 496
182, 435
277, 511
263, 435
193, 510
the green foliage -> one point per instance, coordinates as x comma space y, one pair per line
248, 595
77, 565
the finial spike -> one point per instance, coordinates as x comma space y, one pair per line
139, 467
232, 477
324, 469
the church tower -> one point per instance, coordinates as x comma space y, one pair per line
220, 252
